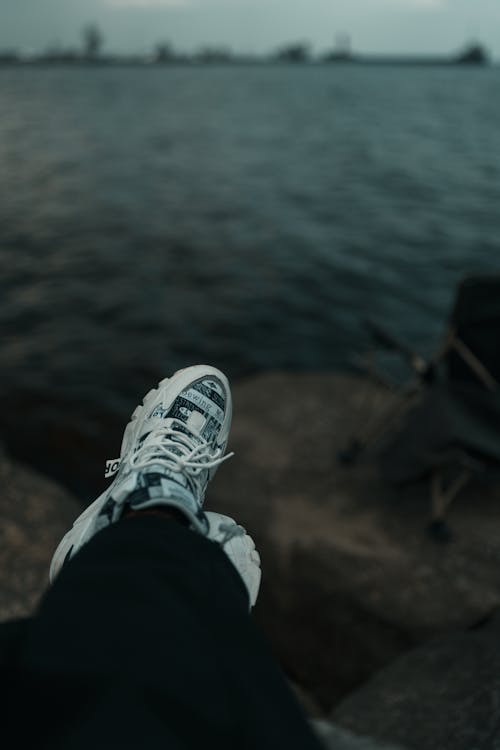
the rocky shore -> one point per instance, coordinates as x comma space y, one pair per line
387, 634
35, 512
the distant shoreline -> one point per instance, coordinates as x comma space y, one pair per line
292, 54
409, 62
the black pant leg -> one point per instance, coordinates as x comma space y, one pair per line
145, 641
12, 638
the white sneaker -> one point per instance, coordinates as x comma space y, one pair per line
171, 448
240, 548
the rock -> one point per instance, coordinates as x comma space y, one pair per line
335, 738
65, 434
350, 577
34, 515
444, 695
308, 703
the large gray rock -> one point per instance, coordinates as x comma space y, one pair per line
350, 577
442, 696
336, 738
34, 515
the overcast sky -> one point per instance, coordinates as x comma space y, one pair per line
254, 25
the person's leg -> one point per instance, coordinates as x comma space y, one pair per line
145, 641
12, 637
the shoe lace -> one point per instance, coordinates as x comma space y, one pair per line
177, 451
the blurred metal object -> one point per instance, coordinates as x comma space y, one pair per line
453, 433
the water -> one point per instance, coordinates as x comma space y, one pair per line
247, 217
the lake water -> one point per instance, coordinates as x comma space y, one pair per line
248, 217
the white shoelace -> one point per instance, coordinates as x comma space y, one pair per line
177, 451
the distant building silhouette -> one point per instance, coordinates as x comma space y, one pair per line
164, 53
92, 41
8, 56
474, 54
298, 52
214, 55
342, 50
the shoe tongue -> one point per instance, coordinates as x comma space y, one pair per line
180, 416
191, 427
182, 410
196, 422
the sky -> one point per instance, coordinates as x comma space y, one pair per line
255, 26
